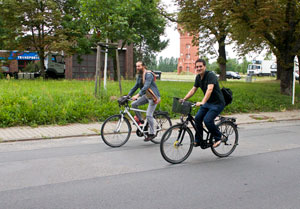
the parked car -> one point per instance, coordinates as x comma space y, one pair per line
233, 75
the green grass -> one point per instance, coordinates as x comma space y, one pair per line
35, 102
191, 77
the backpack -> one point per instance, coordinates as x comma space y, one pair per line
227, 93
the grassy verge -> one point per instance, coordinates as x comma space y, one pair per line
61, 102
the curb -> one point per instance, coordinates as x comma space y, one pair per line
83, 135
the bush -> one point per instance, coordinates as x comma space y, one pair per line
32, 67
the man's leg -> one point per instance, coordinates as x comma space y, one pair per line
198, 122
140, 101
149, 115
209, 120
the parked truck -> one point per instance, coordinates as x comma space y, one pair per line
262, 68
14, 62
55, 66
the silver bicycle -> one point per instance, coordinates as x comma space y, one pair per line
116, 129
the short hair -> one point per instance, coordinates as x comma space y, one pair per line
201, 60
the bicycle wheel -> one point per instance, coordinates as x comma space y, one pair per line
227, 146
161, 123
115, 131
177, 144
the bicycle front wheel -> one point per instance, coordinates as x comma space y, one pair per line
115, 131
161, 123
228, 145
177, 144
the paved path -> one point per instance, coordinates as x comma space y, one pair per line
46, 132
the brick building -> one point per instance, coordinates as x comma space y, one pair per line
84, 68
188, 53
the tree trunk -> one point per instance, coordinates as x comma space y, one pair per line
298, 56
278, 70
286, 63
42, 63
222, 59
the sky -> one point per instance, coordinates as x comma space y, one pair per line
173, 48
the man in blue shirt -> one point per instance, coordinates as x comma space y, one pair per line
148, 94
212, 103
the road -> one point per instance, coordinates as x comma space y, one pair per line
263, 172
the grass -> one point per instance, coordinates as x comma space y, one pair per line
191, 77
35, 102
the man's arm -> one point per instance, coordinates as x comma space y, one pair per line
136, 86
191, 93
207, 95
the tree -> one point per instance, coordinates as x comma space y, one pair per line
167, 64
44, 26
208, 22
132, 21
272, 24
150, 24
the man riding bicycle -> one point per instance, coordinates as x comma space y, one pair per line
212, 103
149, 93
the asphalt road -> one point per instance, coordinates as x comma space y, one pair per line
263, 172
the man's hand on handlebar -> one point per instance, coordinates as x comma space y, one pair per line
135, 97
198, 104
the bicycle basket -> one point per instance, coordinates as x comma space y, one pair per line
123, 100
183, 108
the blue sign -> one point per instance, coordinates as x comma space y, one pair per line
22, 56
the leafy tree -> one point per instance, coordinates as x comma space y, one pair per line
133, 21
244, 65
167, 64
150, 24
272, 24
44, 26
152, 65
208, 22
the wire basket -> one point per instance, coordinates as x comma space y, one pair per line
182, 108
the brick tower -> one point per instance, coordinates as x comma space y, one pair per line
188, 53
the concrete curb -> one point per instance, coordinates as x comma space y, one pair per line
96, 134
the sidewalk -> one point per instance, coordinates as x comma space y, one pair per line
74, 130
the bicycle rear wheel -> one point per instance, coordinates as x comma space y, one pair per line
227, 146
161, 123
177, 144
115, 131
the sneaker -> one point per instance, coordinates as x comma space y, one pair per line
149, 137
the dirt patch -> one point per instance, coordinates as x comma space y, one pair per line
261, 117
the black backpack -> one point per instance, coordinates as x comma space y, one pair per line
227, 93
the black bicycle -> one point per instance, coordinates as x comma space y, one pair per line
178, 141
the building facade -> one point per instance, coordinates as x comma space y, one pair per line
84, 67
188, 53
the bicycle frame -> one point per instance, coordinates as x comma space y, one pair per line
127, 112
191, 119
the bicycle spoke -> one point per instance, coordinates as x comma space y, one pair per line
227, 146
172, 149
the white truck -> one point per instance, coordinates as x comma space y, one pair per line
262, 68
55, 66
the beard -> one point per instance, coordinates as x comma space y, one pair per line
140, 72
